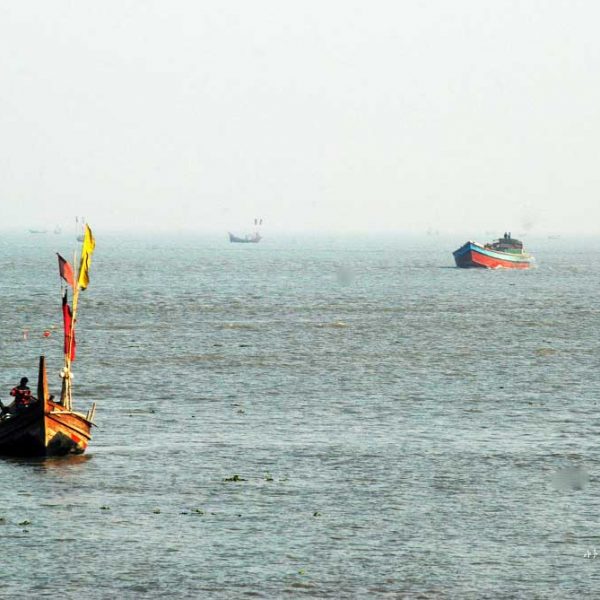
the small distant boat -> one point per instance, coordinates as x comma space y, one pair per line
38, 231
248, 239
505, 253
43, 426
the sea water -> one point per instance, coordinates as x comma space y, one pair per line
327, 416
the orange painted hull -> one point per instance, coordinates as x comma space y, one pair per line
472, 254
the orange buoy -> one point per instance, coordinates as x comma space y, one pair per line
46, 333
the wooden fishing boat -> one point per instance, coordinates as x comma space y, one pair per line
45, 427
42, 426
505, 253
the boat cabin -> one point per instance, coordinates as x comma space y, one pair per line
507, 244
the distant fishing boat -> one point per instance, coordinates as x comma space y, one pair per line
248, 238
42, 426
507, 252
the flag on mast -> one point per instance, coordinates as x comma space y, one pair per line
66, 270
89, 243
70, 344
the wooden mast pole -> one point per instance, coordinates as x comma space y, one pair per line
66, 397
69, 406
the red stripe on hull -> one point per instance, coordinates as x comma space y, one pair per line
476, 259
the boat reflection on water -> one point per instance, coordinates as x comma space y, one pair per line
64, 464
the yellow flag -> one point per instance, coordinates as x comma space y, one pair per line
89, 243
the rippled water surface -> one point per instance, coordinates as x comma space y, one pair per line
324, 417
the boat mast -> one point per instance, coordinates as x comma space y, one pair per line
87, 248
66, 397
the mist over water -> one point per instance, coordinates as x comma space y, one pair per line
311, 416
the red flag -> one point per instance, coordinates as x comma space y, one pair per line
65, 270
69, 328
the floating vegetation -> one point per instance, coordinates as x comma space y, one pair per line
195, 511
250, 326
234, 478
316, 513
268, 477
156, 511
545, 351
25, 522
334, 325
104, 507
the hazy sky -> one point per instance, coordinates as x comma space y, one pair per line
462, 115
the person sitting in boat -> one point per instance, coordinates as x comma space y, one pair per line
22, 394
5, 411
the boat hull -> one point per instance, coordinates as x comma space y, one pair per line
52, 431
23, 434
473, 255
245, 240
66, 432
